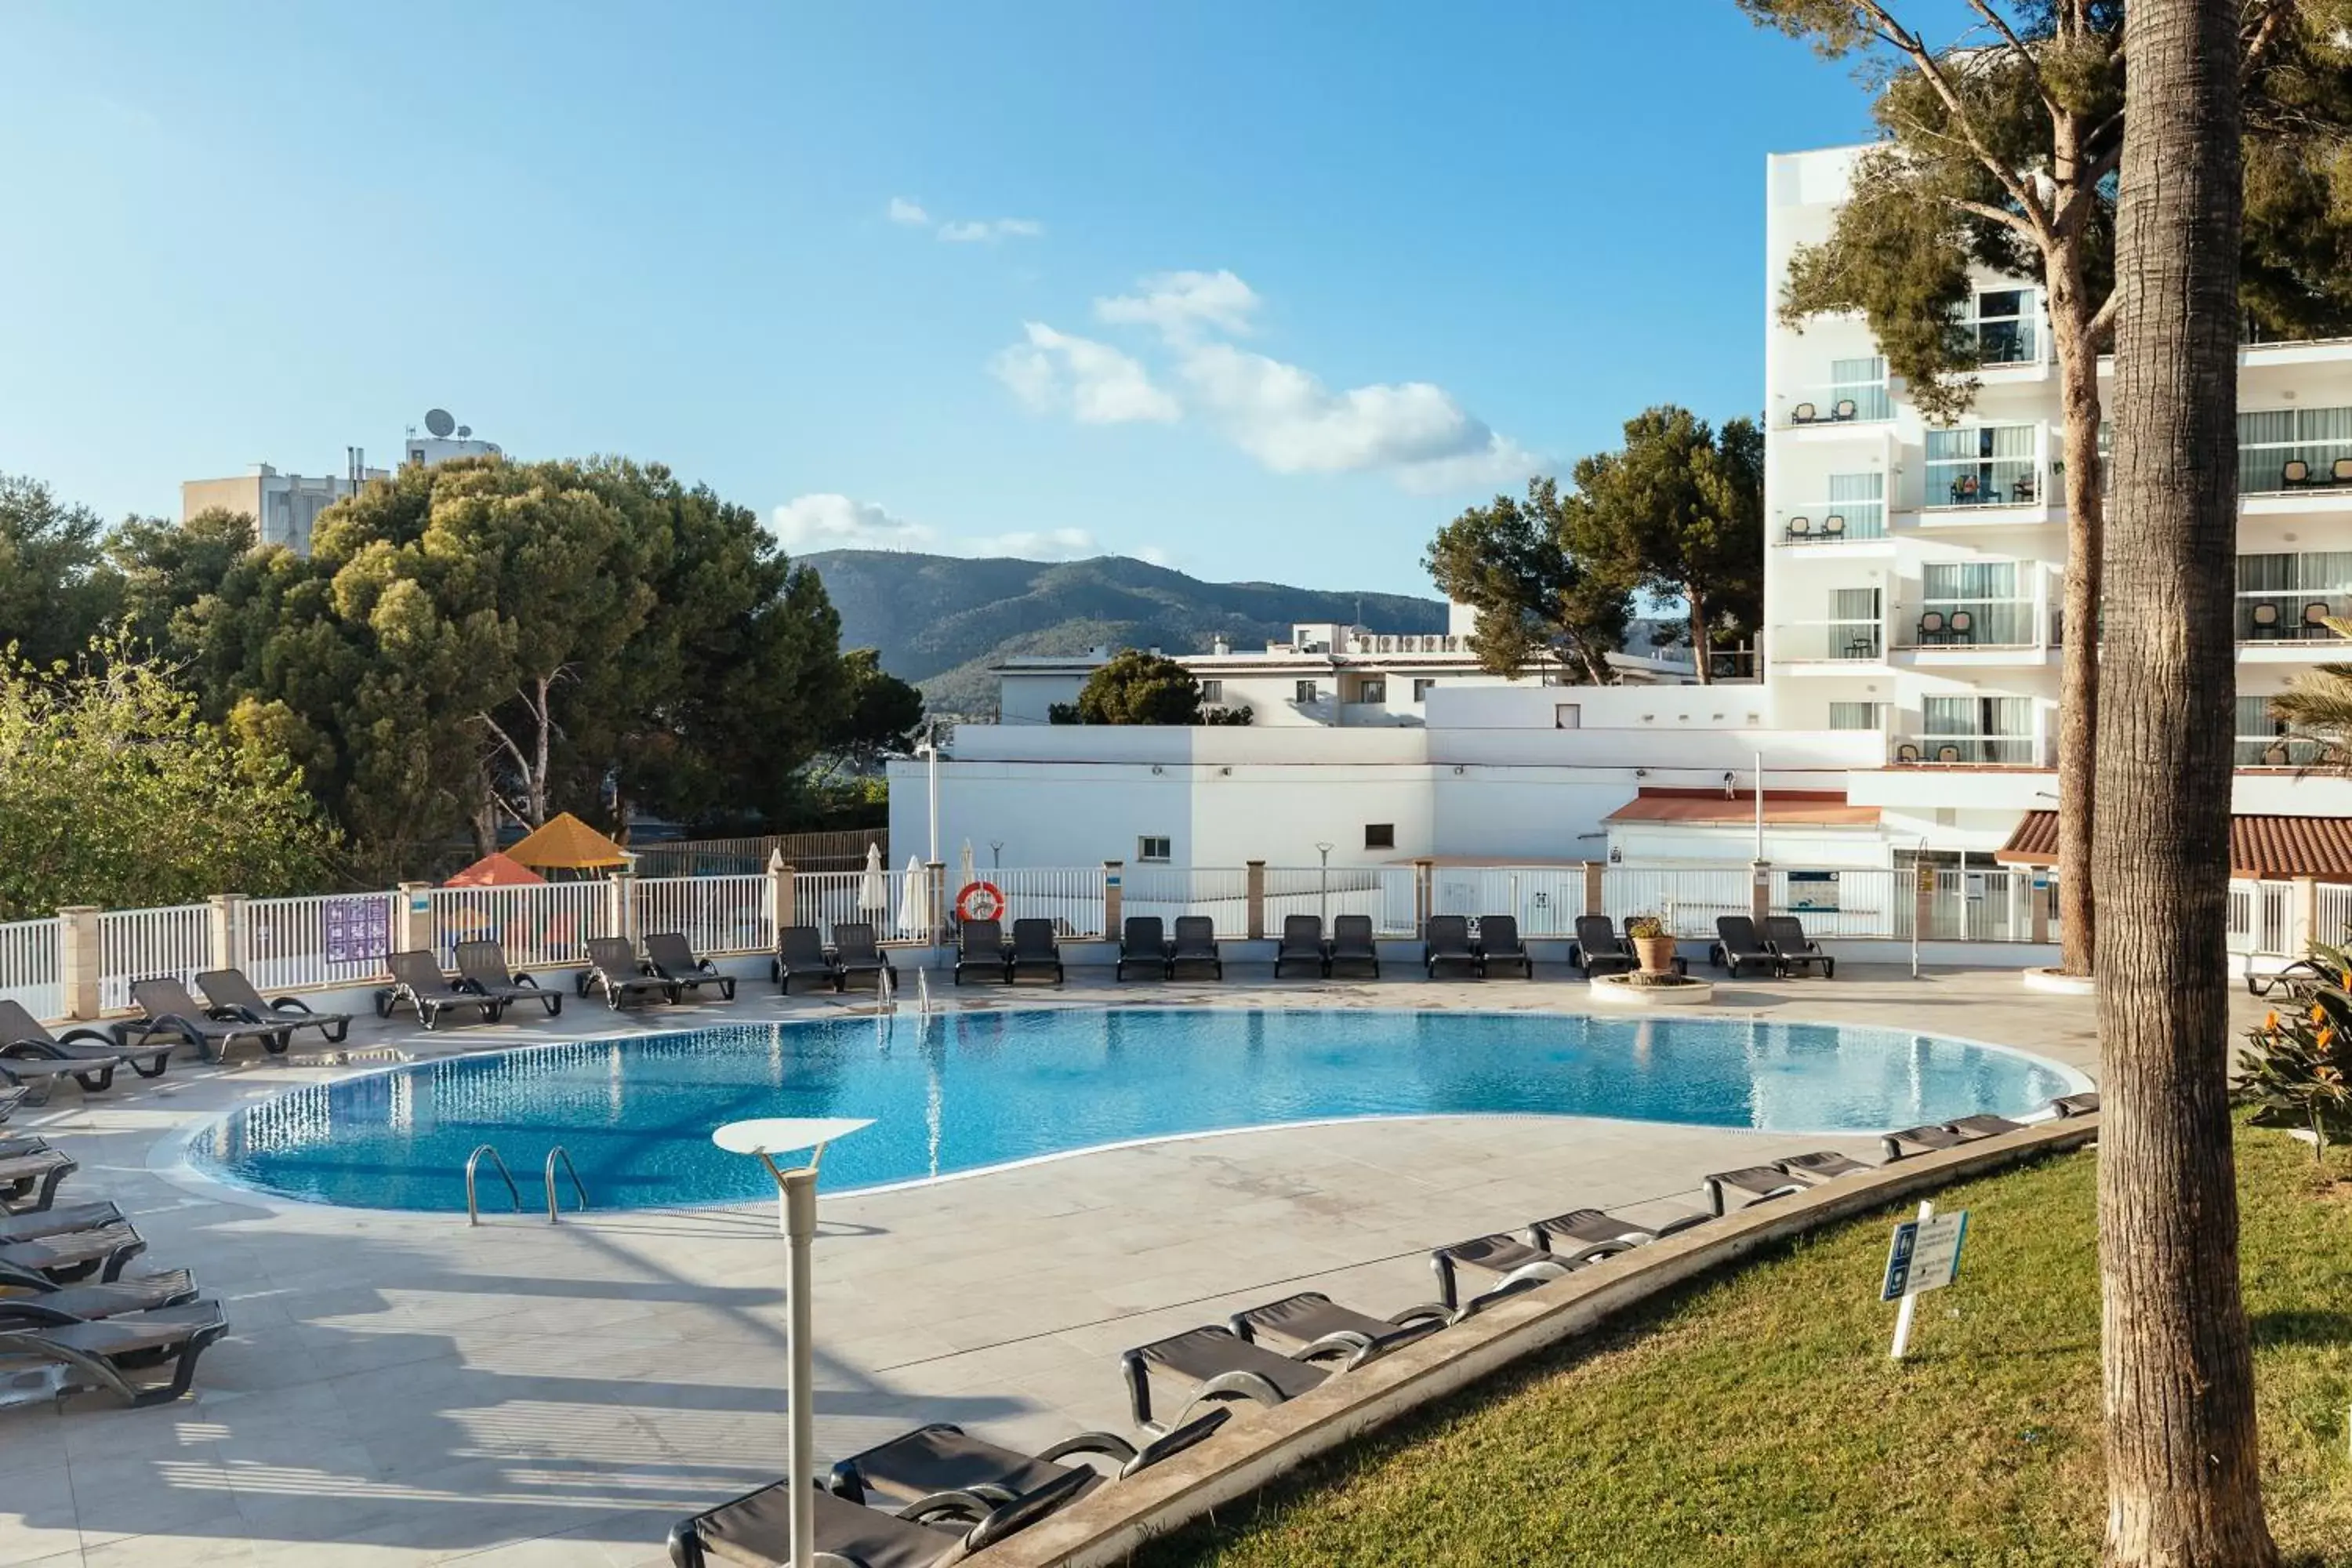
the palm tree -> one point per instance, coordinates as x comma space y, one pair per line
2316, 707
2184, 1484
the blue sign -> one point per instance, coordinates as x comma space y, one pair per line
1898, 1261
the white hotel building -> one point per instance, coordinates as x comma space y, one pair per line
1909, 695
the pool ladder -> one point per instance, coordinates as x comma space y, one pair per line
473, 1170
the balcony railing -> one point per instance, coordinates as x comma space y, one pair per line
1980, 751
2291, 616
1972, 623
1860, 641
1832, 522
2276, 752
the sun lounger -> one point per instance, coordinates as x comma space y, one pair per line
1755, 1183
1302, 942
2298, 979
113, 1355
1785, 934
1353, 946
482, 970
80, 1303
1517, 1264
1736, 947
1985, 1126
1824, 1166
172, 1013
1034, 946
1142, 941
1310, 1322
1195, 942
800, 956
979, 947
755, 1530
11, 1097
942, 1457
674, 959
1212, 1365
614, 969
69, 1256
1445, 939
1598, 949
2085, 1104
90, 1056
1946, 1134
28, 1183
417, 982
1498, 942
35, 1225
229, 991
1586, 1236
856, 953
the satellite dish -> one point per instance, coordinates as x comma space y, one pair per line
437, 420
464, 431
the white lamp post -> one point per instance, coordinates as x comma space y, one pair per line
796, 1215
1323, 886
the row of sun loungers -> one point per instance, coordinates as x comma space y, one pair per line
70, 1320
933, 1495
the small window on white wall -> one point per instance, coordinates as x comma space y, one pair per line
1421, 687
1303, 691
1853, 715
1213, 691
1379, 835
1568, 716
1149, 848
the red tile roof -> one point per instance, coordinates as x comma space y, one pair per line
1783, 807
2318, 847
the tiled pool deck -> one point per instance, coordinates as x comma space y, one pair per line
400, 1389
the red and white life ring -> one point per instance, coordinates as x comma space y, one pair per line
980, 902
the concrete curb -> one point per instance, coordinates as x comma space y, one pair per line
1259, 1444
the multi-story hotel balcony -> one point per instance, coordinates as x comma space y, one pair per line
1854, 401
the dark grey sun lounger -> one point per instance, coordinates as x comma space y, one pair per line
614, 969
93, 1053
1142, 941
1353, 946
979, 947
1781, 1178
1946, 1134
29, 1183
1211, 1364
1302, 942
755, 1530
121, 1356
80, 1303
674, 959
1311, 1324
69, 1256
482, 970
855, 953
417, 982
800, 955
1598, 950
1034, 946
1736, 947
942, 1457
1796, 949
2085, 1104
229, 991
1195, 942
1445, 940
1498, 942
58, 1220
1586, 1236
1517, 1264
172, 1013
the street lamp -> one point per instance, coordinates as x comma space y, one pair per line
996, 854
928, 750
796, 1217
1323, 886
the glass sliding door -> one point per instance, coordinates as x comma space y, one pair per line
1974, 602
1984, 465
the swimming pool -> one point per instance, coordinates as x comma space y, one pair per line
967, 1091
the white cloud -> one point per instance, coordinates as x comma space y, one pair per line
1036, 544
991, 229
1153, 555
1179, 302
837, 523
1289, 421
1093, 381
912, 214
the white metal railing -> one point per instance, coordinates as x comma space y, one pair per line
1071, 897
1856, 641
28, 966
1974, 623
1830, 522
1382, 893
548, 923
715, 914
2332, 917
1545, 899
1996, 750
898, 905
2262, 921
139, 944
338, 940
1220, 892
1689, 898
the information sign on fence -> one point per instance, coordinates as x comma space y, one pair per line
356, 931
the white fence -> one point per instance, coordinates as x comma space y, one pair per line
338, 940
897, 904
715, 914
548, 923
28, 966
1384, 894
140, 945
1220, 892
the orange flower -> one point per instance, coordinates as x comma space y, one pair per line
2327, 1036
2269, 1019
2318, 1013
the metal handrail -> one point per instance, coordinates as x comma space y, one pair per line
560, 1153
472, 1161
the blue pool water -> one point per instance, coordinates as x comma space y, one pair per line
973, 1089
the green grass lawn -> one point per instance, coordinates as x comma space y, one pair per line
1757, 1419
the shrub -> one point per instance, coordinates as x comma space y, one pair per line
1638, 927
2298, 1066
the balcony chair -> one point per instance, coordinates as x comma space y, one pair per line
1907, 754
2315, 620
1843, 409
2274, 757
1803, 413
2296, 473
2339, 472
1799, 530
2023, 491
1832, 528
1948, 752
1963, 625
2266, 620
1933, 628
1965, 490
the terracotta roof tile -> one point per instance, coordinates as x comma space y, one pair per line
1787, 808
2318, 847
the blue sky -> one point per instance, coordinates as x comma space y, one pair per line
1265, 291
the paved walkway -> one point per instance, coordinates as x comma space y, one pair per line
400, 1389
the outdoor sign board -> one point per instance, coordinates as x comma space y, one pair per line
357, 930
1925, 1255
1813, 890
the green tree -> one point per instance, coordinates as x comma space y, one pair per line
169, 572
2001, 152
1521, 565
1683, 504
113, 791
882, 714
56, 590
1139, 688
2316, 707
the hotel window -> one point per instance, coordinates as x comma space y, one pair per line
1568, 716
1978, 729
1213, 691
2262, 739
1304, 692
2284, 597
2004, 326
1863, 382
1149, 848
1984, 465
2293, 448
1861, 501
1854, 715
1374, 690
1421, 687
1986, 592
1379, 835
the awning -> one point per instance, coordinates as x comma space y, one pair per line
2319, 846
566, 843
1714, 808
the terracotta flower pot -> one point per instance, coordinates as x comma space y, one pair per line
1656, 953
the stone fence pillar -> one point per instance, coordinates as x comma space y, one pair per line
228, 930
78, 961
1596, 898
1759, 891
1114, 898
412, 918
1254, 892
782, 891
1424, 893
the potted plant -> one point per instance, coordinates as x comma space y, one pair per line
1651, 945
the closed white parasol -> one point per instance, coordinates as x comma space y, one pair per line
874, 888
915, 901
